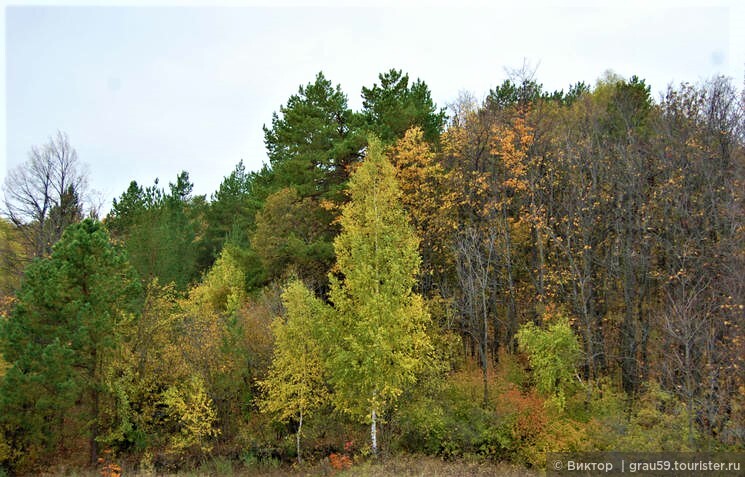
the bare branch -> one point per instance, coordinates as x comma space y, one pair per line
44, 195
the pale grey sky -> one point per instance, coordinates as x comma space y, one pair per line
146, 92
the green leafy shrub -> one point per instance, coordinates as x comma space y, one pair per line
606, 414
659, 423
450, 424
422, 426
553, 354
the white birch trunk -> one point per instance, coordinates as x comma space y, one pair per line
297, 438
374, 433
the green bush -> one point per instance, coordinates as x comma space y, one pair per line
553, 354
450, 424
659, 423
422, 426
496, 442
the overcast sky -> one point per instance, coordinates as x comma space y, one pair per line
147, 92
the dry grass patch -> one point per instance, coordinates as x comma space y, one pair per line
399, 466
410, 466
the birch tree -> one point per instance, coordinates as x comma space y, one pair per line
379, 325
295, 387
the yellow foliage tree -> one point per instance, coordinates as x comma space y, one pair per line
295, 386
378, 344
429, 204
12, 258
192, 413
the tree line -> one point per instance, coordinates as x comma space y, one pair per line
538, 271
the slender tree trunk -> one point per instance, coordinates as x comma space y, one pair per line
94, 429
644, 359
297, 438
484, 375
511, 308
485, 361
629, 371
95, 403
689, 392
374, 432
540, 282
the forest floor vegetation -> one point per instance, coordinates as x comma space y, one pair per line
404, 465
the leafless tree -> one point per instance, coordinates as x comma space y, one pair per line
44, 195
689, 327
475, 260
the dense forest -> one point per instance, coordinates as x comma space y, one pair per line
539, 271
